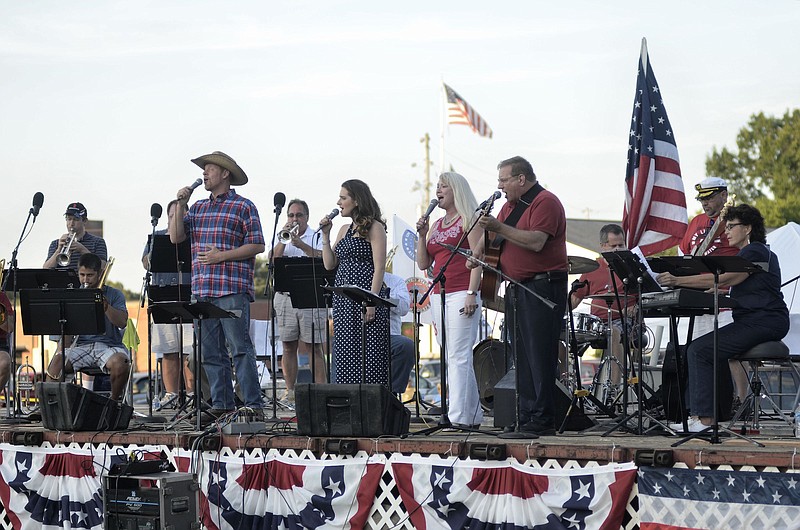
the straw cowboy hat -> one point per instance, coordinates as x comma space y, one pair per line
238, 176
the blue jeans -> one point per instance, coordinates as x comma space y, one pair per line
403, 356
220, 336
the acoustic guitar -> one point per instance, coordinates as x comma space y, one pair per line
490, 282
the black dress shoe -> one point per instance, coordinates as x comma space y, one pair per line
434, 411
538, 429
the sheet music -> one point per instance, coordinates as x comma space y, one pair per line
638, 252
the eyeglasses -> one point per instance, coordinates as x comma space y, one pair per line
503, 180
731, 225
301, 214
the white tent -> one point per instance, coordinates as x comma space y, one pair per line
785, 243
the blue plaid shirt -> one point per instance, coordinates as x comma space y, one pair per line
225, 222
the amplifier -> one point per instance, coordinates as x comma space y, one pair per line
156, 501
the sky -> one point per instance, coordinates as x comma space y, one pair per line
106, 102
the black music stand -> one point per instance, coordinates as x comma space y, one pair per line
62, 312
165, 257
636, 277
716, 265
366, 299
305, 279
178, 312
37, 279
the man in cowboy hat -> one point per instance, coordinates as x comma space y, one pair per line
226, 237
84, 242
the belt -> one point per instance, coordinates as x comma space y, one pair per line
549, 275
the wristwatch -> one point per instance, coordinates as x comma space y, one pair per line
471, 292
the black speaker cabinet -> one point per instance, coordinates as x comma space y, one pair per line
505, 405
69, 407
349, 410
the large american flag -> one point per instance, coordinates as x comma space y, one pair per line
461, 113
655, 216
454, 494
677, 498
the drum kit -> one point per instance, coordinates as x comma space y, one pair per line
591, 331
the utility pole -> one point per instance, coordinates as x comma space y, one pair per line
425, 185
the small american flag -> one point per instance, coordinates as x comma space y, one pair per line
461, 113
655, 216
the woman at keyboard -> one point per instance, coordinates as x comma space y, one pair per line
761, 314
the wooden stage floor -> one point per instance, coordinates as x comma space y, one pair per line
780, 446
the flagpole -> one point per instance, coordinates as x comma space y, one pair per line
643, 56
441, 135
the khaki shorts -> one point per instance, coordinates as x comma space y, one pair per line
294, 324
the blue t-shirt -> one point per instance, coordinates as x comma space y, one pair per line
113, 334
760, 296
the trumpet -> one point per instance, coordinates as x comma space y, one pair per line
63, 255
285, 236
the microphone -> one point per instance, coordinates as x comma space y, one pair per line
488, 203
432, 206
279, 200
330, 216
38, 201
463, 251
155, 213
333, 214
195, 184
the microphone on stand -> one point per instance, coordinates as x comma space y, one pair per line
38, 201
279, 200
432, 206
155, 213
488, 203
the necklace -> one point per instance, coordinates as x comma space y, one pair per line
450, 221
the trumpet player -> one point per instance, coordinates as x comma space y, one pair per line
65, 251
297, 239
104, 351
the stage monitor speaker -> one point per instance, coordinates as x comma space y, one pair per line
349, 410
69, 407
505, 405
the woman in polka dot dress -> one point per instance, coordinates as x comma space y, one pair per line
360, 253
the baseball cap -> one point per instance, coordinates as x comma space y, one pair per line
709, 186
76, 209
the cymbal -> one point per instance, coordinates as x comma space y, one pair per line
581, 265
602, 296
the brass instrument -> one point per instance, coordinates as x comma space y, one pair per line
103, 278
26, 379
390, 258
63, 255
285, 236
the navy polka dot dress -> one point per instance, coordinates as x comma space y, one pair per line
356, 268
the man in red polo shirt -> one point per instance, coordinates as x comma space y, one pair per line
534, 253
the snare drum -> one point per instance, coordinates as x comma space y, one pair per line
587, 328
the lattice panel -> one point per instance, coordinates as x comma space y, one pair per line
388, 511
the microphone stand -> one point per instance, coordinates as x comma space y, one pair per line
271, 288
12, 268
145, 286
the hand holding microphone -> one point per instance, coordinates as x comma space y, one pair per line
325, 223
422, 224
186, 192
